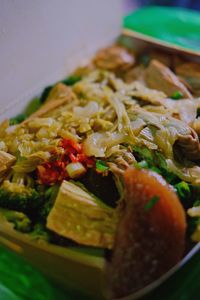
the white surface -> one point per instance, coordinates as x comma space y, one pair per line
42, 40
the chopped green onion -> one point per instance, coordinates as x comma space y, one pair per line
75, 169
151, 203
101, 166
144, 153
155, 169
71, 80
177, 95
141, 165
183, 189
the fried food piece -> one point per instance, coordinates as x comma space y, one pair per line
81, 217
163, 57
114, 58
160, 77
150, 236
136, 73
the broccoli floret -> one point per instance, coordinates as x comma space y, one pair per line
40, 232
49, 198
20, 220
19, 197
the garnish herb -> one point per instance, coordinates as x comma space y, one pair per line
141, 165
183, 189
177, 95
101, 166
149, 205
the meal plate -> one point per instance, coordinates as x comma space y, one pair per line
75, 268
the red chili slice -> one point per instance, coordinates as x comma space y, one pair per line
52, 172
55, 170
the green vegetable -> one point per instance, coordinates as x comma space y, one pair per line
144, 153
22, 201
40, 232
151, 203
45, 93
20, 220
16, 194
32, 106
101, 166
71, 80
177, 95
49, 198
18, 119
155, 161
141, 165
183, 190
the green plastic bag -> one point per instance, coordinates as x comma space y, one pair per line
170, 24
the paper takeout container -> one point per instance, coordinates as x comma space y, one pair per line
40, 43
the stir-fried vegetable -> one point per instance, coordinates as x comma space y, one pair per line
177, 95
19, 197
132, 152
19, 220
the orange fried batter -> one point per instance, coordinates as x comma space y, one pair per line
151, 234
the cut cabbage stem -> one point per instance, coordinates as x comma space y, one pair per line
75, 169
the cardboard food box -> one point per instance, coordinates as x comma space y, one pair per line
40, 43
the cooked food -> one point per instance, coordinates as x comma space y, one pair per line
115, 58
58, 96
151, 233
6, 161
190, 72
110, 159
80, 216
160, 77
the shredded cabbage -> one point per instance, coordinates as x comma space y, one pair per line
104, 113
